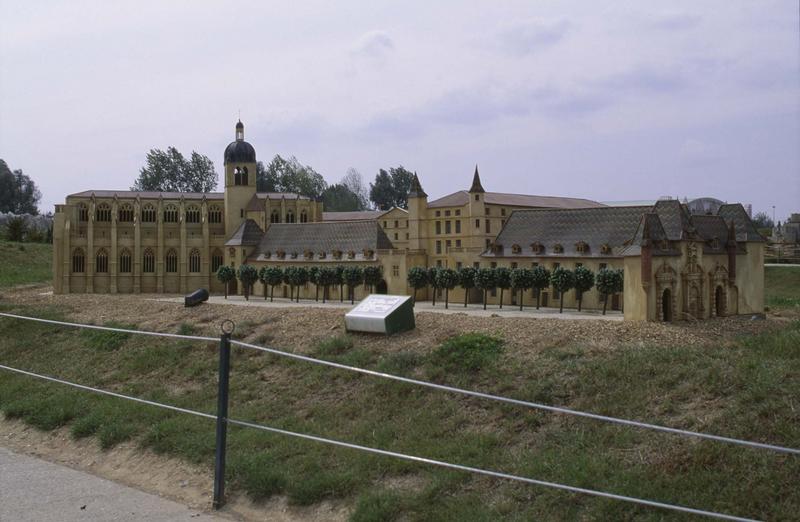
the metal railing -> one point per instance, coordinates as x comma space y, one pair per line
222, 419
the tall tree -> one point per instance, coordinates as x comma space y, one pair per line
289, 175
762, 220
355, 183
18, 192
169, 171
339, 198
390, 189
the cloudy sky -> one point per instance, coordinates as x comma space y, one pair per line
604, 100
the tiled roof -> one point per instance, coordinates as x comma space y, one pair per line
745, 229
711, 228
461, 198
352, 216
320, 237
675, 219
248, 233
146, 194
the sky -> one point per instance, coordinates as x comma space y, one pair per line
614, 100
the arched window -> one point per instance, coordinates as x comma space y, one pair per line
275, 217
289, 216
101, 261
216, 260
194, 261
214, 214
240, 176
148, 213
303, 216
170, 214
193, 214
125, 261
78, 261
125, 213
171, 261
83, 212
244, 176
103, 213
149, 261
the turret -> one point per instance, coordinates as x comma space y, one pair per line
240, 179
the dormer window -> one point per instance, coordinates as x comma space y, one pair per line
293, 255
582, 247
605, 249
537, 248
516, 249
351, 255
337, 254
323, 255
281, 254
558, 248
368, 253
308, 254
268, 254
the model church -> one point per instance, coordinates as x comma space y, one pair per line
677, 265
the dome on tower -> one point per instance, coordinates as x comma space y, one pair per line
240, 151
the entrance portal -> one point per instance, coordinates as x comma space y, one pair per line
719, 301
666, 305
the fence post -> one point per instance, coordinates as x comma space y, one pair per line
222, 419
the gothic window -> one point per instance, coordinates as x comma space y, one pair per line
103, 213
171, 214
171, 261
193, 214
216, 260
83, 213
78, 261
148, 261
303, 217
125, 261
125, 213
274, 217
148, 213
101, 261
214, 214
289, 216
194, 261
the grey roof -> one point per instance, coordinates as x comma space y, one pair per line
476, 182
745, 229
461, 198
320, 237
132, 194
675, 219
353, 216
248, 233
416, 189
240, 151
712, 228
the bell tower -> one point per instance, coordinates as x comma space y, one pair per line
240, 179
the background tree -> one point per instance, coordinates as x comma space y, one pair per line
313, 277
225, 275
289, 175
274, 277
390, 189
521, 280
18, 192
247, 275
540, 280
466, 280
584, 281
562, 280
433, 272
417, 278
353, 276
485, 280
609, 282
372, 277
169, 171
762, 220
289, 278
301, 278
339, 198
448, 279
503, 280
355, 183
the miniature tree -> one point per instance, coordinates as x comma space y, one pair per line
521, 280
225, 275
417, 278
262, 277
448, 279
584, 281
372, 276
289, 279
503, 280
540, 280
609, 282
247, 275
301, 278
353, 276
562, 280
273, 276
433, 274
340, 281
485, 280
313, 277
327, 277
466, 280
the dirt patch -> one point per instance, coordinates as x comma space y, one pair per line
129, 464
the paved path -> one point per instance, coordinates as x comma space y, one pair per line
33, 490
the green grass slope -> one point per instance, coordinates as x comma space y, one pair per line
22, 263
782, 286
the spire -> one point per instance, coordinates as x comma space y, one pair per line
416, 189
240, 131
476, 182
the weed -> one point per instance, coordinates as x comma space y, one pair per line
335, 345
187, 329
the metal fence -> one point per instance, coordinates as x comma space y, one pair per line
223, 420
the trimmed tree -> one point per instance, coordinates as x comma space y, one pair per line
448, 279
609, 282
417, 278
327, 277
485, 280
247, 275
466, 280
225, 275
352, 277
372, 276
273, 277
540, 280
503, 280
584, 281
301, 278
433, 274
562, 280
262, 277
313, 276
521, 280
340, 281
289, 279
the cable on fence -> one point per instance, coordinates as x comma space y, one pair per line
554, 409
413, 458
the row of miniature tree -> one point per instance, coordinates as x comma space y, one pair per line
582, 279
322, 277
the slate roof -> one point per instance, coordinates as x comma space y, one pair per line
745, 229
131, 194
248, 233
353, 216
321, 237
675, 219
711, 228
461, 198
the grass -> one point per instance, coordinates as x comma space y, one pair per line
782, 286
747, 389
24, 263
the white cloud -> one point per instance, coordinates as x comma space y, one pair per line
374, 44
527, 36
